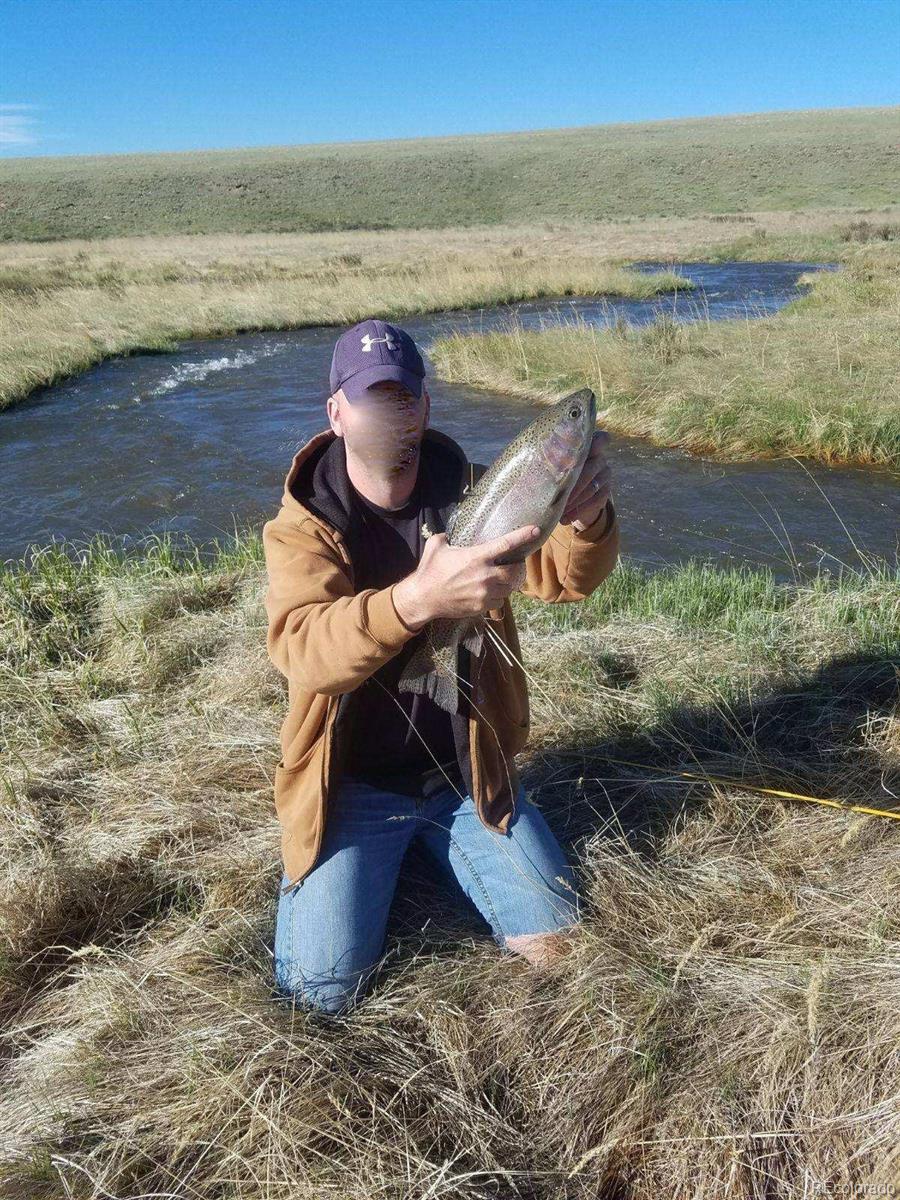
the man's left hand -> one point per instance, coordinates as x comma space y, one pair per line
592, 488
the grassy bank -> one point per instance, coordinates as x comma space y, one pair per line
744, 163
66, 305
804, 243
63, 314
725, 1028
819, 378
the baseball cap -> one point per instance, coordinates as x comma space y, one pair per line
371, 351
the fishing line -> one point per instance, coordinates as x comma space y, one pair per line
843, 805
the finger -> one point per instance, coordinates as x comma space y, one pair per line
593, 463
601, 487
598, 469
508, 542
599, 477
512, 573
593, 501
599, 442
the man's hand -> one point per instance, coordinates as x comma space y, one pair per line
461, 581
592, 488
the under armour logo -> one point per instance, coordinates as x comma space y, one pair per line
368, 342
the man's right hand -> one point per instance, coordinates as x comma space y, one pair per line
460, 581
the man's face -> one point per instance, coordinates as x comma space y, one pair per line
383, 427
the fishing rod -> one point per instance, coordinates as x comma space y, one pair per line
843, 805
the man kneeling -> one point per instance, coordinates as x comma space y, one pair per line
358, 565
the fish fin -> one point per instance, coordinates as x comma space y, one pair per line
473, 640
431, 670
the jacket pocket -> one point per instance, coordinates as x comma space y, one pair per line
291, 768
293, 791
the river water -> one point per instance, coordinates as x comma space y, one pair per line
198, 441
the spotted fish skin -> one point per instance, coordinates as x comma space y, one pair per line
528, 484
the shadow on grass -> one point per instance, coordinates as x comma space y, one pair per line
106, 910
806, 736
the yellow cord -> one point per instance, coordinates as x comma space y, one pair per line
749, 787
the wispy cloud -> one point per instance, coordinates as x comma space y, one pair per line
18, 127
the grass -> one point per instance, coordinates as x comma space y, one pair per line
725, 1027
818, 379
807, 243
63, 313
737, 164
65, 306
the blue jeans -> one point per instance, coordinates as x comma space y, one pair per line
330, 927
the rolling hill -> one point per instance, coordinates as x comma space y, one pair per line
766, 161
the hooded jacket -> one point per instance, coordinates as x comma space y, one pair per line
326, 638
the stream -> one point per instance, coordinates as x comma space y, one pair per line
198, 441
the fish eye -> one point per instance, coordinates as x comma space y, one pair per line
574, 412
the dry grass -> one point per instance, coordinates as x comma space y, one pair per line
725, 1027
66, 305
60, 312
820, 378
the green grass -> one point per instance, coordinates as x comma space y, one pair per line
775, 161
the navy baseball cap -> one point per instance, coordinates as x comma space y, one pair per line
372, 351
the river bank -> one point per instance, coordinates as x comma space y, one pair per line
62, 315
67, 305
726, 934
818, 379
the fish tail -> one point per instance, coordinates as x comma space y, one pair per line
431, 670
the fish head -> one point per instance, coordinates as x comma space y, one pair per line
563, 435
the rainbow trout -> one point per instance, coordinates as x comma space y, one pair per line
528, 484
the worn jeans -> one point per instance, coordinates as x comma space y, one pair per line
330, 928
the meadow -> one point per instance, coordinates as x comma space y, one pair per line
724, 1026
66, 305
784, 161
65, 310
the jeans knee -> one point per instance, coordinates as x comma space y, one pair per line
332, 995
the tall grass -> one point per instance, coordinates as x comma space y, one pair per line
63, 314
725, 1026
819, 378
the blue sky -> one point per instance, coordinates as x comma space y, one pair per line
117, 76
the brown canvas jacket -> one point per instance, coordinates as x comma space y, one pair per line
326, 639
